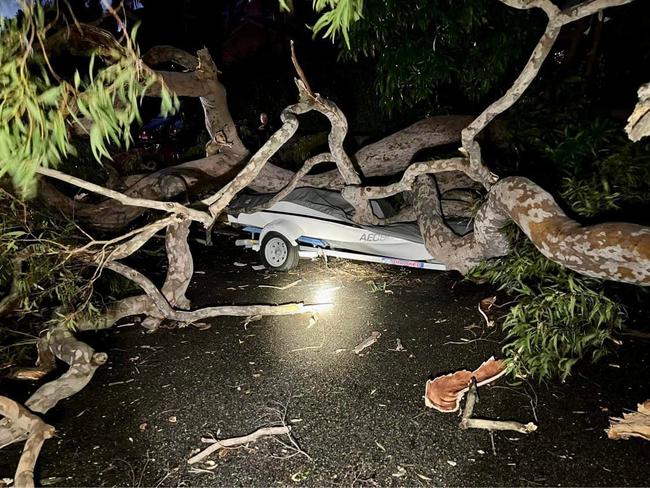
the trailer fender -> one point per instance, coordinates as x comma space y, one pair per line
288, 229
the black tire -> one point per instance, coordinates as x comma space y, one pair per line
277, 257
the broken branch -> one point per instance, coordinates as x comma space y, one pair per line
238, 441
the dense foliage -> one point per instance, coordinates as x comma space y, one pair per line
38, 106
434, 51
560, 316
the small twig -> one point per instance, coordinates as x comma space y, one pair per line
238, 441
299, 71
285, 287
469, 423
369, 341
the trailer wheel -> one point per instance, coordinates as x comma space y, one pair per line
278, 253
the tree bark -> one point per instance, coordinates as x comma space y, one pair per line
388, 156
180, 266
614, 251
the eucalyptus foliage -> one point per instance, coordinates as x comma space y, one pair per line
336, 17
559, 318
34, 263
428, 48
37, 106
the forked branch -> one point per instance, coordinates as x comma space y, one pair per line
556, 19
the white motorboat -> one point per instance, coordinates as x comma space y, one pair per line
312, 222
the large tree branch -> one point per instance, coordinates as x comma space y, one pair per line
174, 207
611, 251
201, 81
83, 361
180, 266
37, 432
160, 307
556, 19
308, 102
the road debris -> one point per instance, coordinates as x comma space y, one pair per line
238, 441
258, 267
369, 341
445, 392
115, 383
238, 264
484, 307
398, 347
471, 423
249, 319
635, 424
201, 325
286, 287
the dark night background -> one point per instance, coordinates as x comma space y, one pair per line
362, 417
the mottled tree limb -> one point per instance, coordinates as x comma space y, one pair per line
83, 362
124, 199
556, 19
37, 432
201, 81
638, 125
180, 266
614, 251
218, 202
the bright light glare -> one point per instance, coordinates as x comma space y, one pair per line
324, 296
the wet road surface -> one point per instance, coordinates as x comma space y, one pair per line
360, 418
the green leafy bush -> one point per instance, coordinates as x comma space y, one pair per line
429, 51
559, 318
38, 105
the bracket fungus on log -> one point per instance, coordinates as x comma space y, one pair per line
444, 393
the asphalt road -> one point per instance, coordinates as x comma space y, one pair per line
360, 418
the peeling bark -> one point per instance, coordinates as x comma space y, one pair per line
614, 251
180, 264
638, 125
83, 362
634, 424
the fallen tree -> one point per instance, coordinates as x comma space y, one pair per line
614, 251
